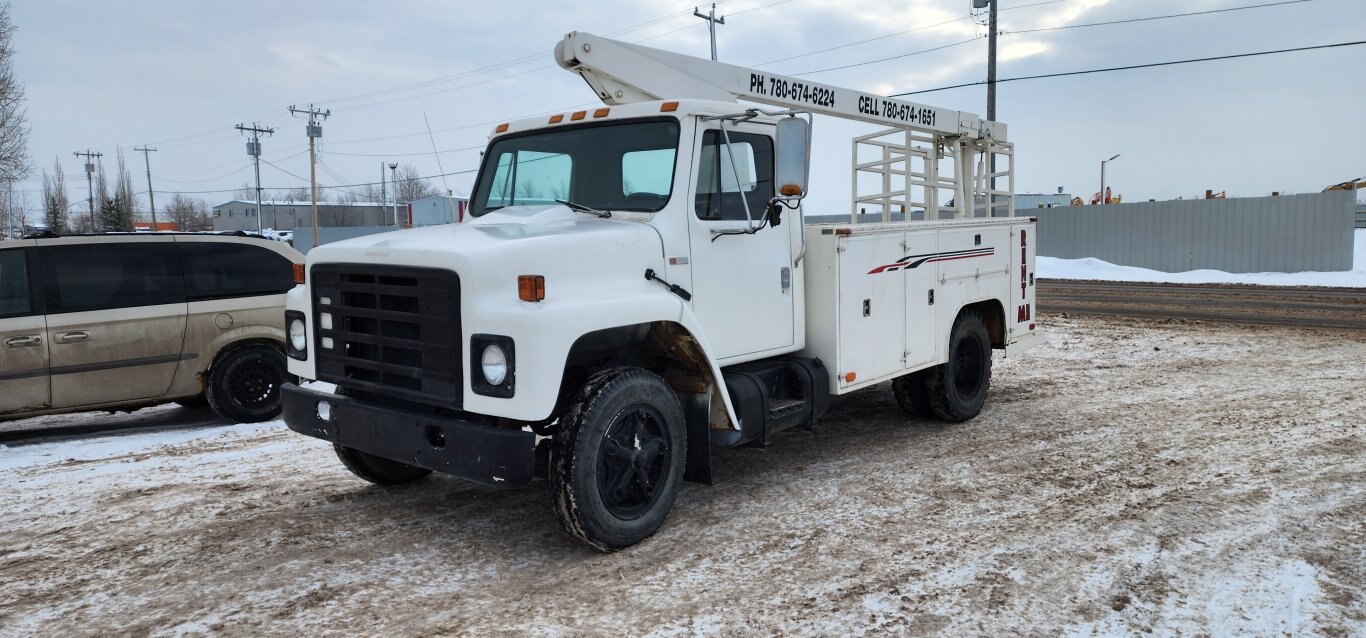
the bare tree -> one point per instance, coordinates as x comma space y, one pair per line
189, 214
55, 200
14, 160
246, 193
124, 200
411, 186
106, 211
300, 194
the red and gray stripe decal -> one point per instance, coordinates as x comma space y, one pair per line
914, 261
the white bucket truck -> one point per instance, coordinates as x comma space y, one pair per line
638, 284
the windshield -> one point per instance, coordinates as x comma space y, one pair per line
627, 166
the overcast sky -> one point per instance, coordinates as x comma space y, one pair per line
178, 75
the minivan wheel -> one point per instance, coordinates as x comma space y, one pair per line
244, 385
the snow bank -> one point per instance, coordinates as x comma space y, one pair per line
1095, 269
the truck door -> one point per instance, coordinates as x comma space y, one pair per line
115, 319
23, 342
742, 283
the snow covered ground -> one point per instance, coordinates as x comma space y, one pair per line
1095, 269
1127, 477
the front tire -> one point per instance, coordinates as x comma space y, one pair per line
957, 388
244, 385
617, 459
377, 469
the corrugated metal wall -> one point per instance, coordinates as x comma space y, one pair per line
1291, 233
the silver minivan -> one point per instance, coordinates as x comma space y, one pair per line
126, 321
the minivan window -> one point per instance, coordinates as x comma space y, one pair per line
78, 278
15, 299
215, 270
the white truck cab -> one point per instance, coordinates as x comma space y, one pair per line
638, 282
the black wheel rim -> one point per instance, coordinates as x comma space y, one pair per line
967, 366
253, 383
634, 461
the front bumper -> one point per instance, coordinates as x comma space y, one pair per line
480, 453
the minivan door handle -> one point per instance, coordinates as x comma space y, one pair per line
23, 342
75, 336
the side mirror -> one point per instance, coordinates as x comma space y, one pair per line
793, 157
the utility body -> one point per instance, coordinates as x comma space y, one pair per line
639, 283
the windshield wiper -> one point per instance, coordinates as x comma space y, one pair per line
605, 214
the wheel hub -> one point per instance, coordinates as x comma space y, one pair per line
635, 458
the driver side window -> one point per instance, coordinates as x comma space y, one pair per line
729, 176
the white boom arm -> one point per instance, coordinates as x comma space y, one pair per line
622, 73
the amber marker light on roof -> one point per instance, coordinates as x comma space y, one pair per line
557, 118
601, 112
501, 128
578, 115
668, 107
531, 287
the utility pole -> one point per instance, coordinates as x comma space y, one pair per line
712, 21
383, 191
393, 170
254, 150
89, 179
315, 131
151, 198
991, 65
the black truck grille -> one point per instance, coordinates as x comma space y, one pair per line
394, 331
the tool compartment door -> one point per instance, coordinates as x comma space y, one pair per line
920, 274
872, 308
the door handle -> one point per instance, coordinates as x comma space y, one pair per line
75, 336
22, 342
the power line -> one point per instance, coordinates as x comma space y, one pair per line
1134, 66
895, 57
1058, 28
892, 35
1161, 17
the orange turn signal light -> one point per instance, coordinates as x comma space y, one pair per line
557, 118
501, 128
531, 287
298, 273
849, 377
790, 190
668, 107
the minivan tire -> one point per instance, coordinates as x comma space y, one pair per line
244, 384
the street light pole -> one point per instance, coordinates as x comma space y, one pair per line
393, 172
1103, 199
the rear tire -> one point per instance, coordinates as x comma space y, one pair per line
244, 384
617, 460
376, 469
958, 387
911, 394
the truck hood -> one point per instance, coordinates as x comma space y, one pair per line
573, 248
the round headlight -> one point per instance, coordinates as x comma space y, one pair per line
298, 338
495, 365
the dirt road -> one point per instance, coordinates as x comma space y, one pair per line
1128, 476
